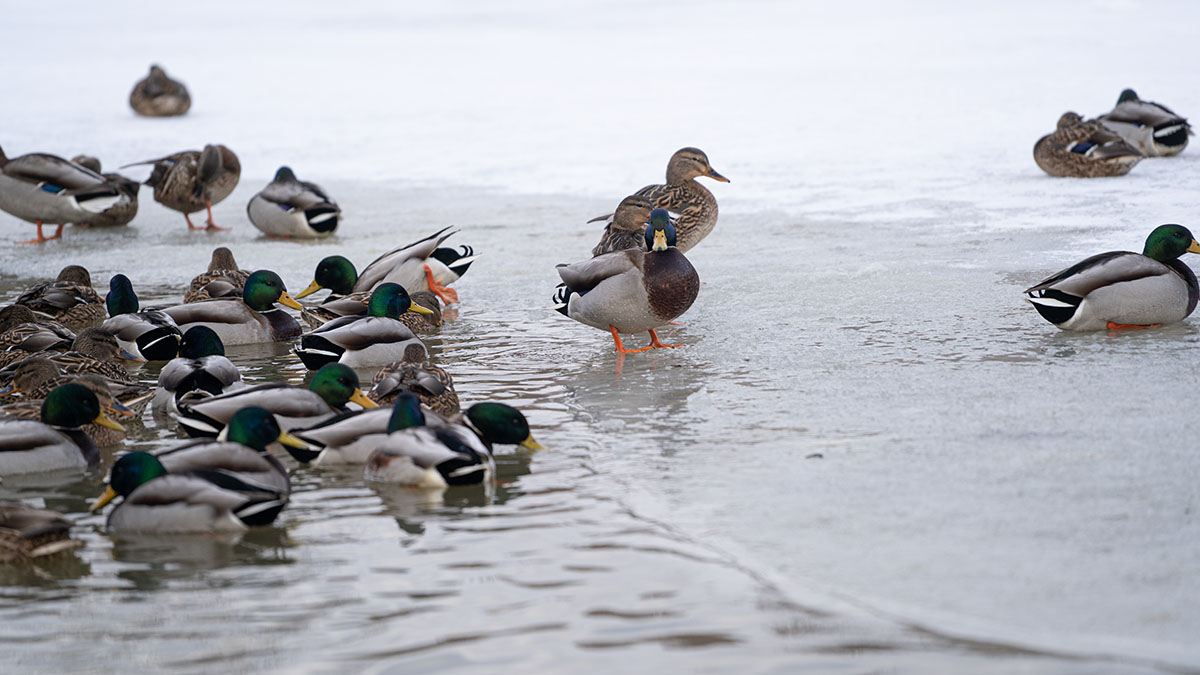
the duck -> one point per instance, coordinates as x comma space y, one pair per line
46, 189
200, 367
1154, 129
423, 265
223, 279
627, 227
23, 331
1078, 149
157, 95
416, 455
28, 533
37, 377
126, 207
249, 320
56, 441
415, 373
681, 194
192, 180
294, 209
337, 274
93, 351
360, 341
1122, 289
631, 291
149, 335
69, 299
331, 388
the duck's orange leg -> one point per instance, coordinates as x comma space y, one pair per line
620, 347
189, 222
1119, 326
655, 343
448, 295
211, 224
41, 237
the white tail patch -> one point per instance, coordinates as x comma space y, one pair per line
1049, 302
98, 204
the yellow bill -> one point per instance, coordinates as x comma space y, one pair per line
289, 301
360, 398
291, 441
106, 421
312, 288
1195, 247
660, 240
109, 495
532, 444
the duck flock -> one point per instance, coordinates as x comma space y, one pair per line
64, 390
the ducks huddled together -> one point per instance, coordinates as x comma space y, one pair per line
61, 390
1112, 143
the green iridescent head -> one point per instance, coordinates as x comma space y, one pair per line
406, 413
1168, 242
390, 300
120, 299
334, 272
201, 341
500, 423
134, 470
285, 173
72, 406
337, 384
263, 289
660, 233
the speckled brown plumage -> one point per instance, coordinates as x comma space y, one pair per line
627, 228
190, 180
416, 374
222, 280
69, 299
27, 533
157, 95
34, 388
681, 194
1079, 149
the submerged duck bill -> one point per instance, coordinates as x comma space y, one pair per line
105, 421
712, 173
289, 301
130, 356
360, 398
531, 444
109, 495
309, 290
414, 307
1195, 247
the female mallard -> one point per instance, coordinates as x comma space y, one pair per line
69, 299
292, 208
631, 291
49, 190
93, 351
627, 228
1122, 289
250, 320
415, 373
56, 442
23, 331
327, 394
357, 341
37, 377
192, 180
421, 266
157, 95
222, 280
337, 274
127, 196
200, 367
1078, 149
1152, 128
27, 533
150, 335
696, 206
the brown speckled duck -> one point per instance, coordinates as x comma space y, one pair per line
417, 374
1079, 149
69, 299
627, 228
192, 180
27, 533
222, 280
157, 95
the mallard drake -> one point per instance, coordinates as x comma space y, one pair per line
192, 180
49, 190
150, 335
358, 341
421, 266
200, 367
37, 377
696, 206
417, 374
327, 394
250, 320
157, 95
1078, 149
127, 192
23, 331
1152, 128
27, 533
292, 208
222, 280
627, 226
337, 274
69, 299
631, 291
56, 442
1122, 289
417, 455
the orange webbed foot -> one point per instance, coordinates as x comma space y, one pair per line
619, 347
42, 237
1131, 326
655, 343
449, 296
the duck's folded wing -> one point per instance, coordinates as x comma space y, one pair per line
219, 310
1100, 270
379, 268
582, 277
359, 332
42, 168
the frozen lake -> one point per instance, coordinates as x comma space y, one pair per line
872, 455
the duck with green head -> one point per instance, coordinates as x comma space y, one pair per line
331, 388
251, 320
358, 341
337, 274
1122, 289
293, 209
631, 291
149, 335
57, 441
201, 370
423, 265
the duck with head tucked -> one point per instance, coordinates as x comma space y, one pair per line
252, 319
48, 190
1151, 127
157, 95
291, 208
127, 204
223, 279
193, 180
1078, 149
631, 291
149, 335
681, 194
28, 533
1122, 289
201, 370
69, 299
